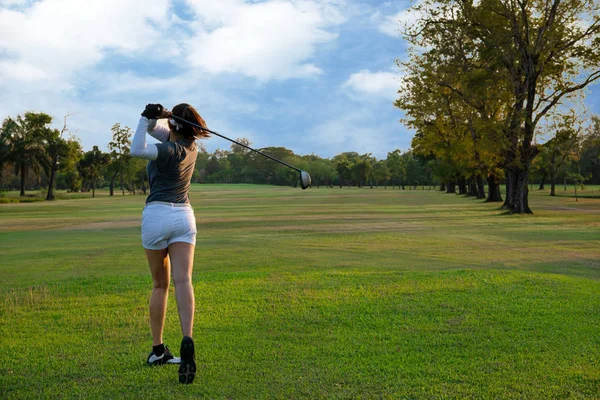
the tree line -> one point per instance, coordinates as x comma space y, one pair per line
487, 79
34, 156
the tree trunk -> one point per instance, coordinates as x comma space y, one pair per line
23, 172
93, 188
442, 187
543, 179
552, 184
122, 186
50, 195
521, 194
480, 191
510, 189
462, 185
451, 187
493, 190
112, 183
472, 192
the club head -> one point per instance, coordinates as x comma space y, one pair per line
305, 180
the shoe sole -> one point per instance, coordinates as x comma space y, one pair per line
187, 369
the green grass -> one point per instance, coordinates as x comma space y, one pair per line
324, 293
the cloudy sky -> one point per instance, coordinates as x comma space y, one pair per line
315, 76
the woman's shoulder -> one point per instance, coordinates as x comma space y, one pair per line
183, 147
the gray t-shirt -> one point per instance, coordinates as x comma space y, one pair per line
171, 173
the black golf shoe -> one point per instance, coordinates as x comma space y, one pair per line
165, 358
187, 368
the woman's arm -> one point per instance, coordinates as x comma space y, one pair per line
158, 132
139, 148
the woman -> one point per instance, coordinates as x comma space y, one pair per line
169, 225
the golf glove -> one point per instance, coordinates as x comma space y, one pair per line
156, 111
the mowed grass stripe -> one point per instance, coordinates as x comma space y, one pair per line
325, 293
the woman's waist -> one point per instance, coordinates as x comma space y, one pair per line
166, 203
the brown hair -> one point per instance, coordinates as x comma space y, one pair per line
190, 114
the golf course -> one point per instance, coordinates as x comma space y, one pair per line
339, 293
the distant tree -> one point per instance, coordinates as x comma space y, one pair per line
381, 173
237, 149
61, 154
5, 143
265, 169
397, 168
119, 153
134, 174
562, 147
27, 151
92, 166
321, 170
343, 167
590, 152
362, 169
237, 158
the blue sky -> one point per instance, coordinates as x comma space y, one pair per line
315, 76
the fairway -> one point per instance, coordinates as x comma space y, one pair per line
324, 293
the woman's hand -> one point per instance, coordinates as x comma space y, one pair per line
156, 111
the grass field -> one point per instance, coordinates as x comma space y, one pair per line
324, 293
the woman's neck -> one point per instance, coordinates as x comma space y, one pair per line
174, 136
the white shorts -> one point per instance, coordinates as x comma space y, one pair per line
166, 223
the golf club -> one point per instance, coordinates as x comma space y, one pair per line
305, 180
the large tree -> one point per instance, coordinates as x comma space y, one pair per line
542, 52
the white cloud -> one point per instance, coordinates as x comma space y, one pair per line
62, 37
19, 70
393, 25
373, 84
358, 129
9, 3
269, 40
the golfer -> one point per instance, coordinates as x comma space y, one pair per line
169, 225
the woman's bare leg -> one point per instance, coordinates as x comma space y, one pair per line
160, 269
182, 264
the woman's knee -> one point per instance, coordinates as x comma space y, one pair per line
161, 285
182, 280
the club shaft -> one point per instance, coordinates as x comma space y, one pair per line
236, 142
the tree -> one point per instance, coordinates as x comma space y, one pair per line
362, 169
119, 153
238, 159
381, 173
397, 168
343, 167
5, 142
27, 147
61, 154
134, 174
266, 169
590, 152
541, 53
560, 149
92, 165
